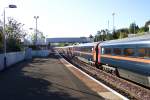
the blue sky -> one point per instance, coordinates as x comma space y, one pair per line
76, 18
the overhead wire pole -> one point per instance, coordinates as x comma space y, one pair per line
108, 27
108, 24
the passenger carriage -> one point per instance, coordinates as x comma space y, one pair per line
130, 57
85, 51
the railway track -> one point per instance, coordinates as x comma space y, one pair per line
124, 87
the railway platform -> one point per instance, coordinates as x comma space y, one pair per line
51, 78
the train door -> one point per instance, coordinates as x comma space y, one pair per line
96, 55
99, 54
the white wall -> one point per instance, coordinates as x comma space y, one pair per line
40, 53
14, 57
28, 54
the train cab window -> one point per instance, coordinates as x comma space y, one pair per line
107, 50
117, 51
128, 52
89, 49
92, 49
86, 49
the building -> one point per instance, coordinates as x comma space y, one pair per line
68, 40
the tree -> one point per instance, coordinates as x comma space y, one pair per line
40, 37
14, 34
124, 30
91, 36
97, 36
133, 28
122, 35
109, 36
103, 35
147, 23
143, 29
115, 35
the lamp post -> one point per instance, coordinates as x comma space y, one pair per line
108, 28
113, 14
4, 33
36, 17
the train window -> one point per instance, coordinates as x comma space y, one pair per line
144, 52
107, 50
148, 52
128, 52
117, 51
102, 51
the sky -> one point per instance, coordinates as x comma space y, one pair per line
77, 18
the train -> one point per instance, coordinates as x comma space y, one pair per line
128, 58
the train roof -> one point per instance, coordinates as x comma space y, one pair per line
65, 46
145, 39
86, 44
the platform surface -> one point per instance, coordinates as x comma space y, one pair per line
43, 79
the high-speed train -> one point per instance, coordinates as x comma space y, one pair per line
128, 58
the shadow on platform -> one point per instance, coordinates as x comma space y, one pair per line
24, 81
16, 85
